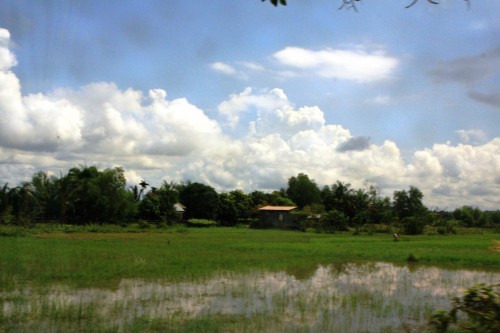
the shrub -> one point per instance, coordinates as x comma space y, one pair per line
440, 321
413, 225
68, 228
333, 221
447, 227
481, 306
162, 225
201, 223
377, 229
411, 258
7, 219
143, 224
12, 231
180, 228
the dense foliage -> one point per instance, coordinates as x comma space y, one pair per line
478, 310
86, 195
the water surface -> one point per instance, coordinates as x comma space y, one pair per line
367, 297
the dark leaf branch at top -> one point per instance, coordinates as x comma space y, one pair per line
434, 2
351, 4
415, 1
277, 2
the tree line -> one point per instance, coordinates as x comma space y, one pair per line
86, 195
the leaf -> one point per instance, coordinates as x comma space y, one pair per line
275, 2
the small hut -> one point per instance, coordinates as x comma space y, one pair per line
276, 217
179, 210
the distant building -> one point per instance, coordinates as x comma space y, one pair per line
179, 210
276, 217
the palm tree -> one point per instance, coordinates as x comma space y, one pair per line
135, 192
22, 202
143, 185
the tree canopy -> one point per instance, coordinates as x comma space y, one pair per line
87, 195
303, 191
202, 201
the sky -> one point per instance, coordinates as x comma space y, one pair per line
243, 95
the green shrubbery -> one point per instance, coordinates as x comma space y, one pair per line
447, 227
333, 221
55, 228
478, 310
413, 225
201, 223
86, 195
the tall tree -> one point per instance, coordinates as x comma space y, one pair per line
87, 195
410, 210
303, 191
258, 198
143, 184
46, 196
469, 216
158, 204
339, 196
360, 204
149, 207
243, 203
408, 203
201, 201
22, 202
379, 208
114, 202
228, 213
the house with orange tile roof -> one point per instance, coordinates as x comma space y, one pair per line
276, 217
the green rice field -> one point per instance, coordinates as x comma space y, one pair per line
234, 279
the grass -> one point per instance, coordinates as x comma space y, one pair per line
104, 258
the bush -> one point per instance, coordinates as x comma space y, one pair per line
413, 225
201, 223
13, 231
180, 228
411, 258
305, 219
69, 229
372, 229
143, 224
333, 221
7, 220
447, 227
481, 306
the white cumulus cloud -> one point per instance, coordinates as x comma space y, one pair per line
357, 65
156, 138
223, 68
471, 136
380, 100
7, 58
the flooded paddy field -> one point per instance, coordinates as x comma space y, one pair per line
342, 297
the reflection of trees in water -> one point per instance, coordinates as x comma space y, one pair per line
369, 296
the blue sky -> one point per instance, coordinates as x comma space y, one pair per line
239, 94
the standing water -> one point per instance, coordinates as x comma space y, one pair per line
368, 297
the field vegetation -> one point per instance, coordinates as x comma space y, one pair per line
51, 276
103, 255
87, 229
